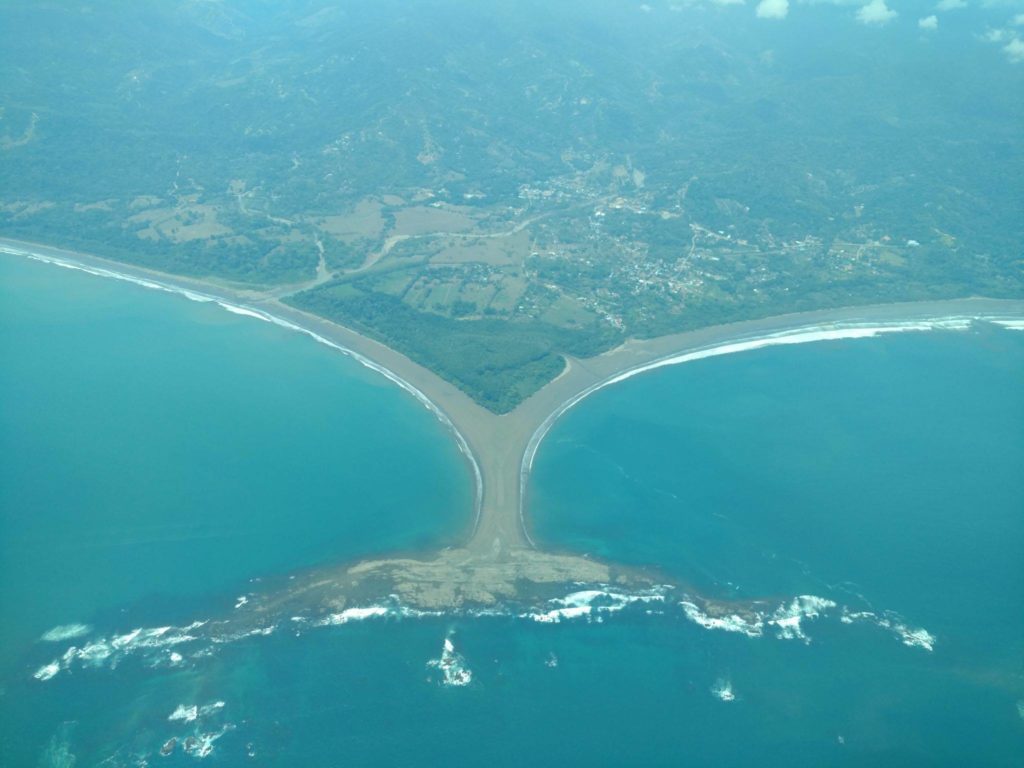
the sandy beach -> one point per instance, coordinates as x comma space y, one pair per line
500, 448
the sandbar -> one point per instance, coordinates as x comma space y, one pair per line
499, 552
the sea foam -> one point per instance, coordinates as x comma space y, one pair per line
108, 651
751, 627
235, 309
591, 603
47, 671
66, 632
722, 690
787, 618
201, 744
353, 614
452, 665
1013, 325
192, 712
169, 646
912, 637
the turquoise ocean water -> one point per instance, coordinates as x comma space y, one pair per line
161, 457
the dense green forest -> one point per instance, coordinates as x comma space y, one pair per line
511, 359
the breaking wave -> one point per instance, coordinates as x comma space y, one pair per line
200, 741
912, 637
66, 632
591, 603
451, 664
722, 690
169, 646
192, 712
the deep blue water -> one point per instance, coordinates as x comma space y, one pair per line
159, 454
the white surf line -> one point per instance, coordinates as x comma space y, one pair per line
800, 335
1009, 323
259, 314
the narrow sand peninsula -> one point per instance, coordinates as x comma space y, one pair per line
499, 557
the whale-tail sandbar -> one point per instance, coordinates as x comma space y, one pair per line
500, 561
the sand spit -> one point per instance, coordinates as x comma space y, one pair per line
498, 571
499, 561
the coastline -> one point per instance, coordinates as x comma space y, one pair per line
202, 292
500, 449
833, 331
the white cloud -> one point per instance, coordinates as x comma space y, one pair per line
875, 12
772, 9
728, 2
1018, 20
929, 22
996, 35
951, 5
1014, 50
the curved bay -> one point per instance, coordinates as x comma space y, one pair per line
157, 448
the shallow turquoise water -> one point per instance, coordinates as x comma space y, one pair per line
159, 454
795, 468
157, 449
884, 475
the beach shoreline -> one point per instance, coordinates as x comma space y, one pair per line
500, 449
819, 332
